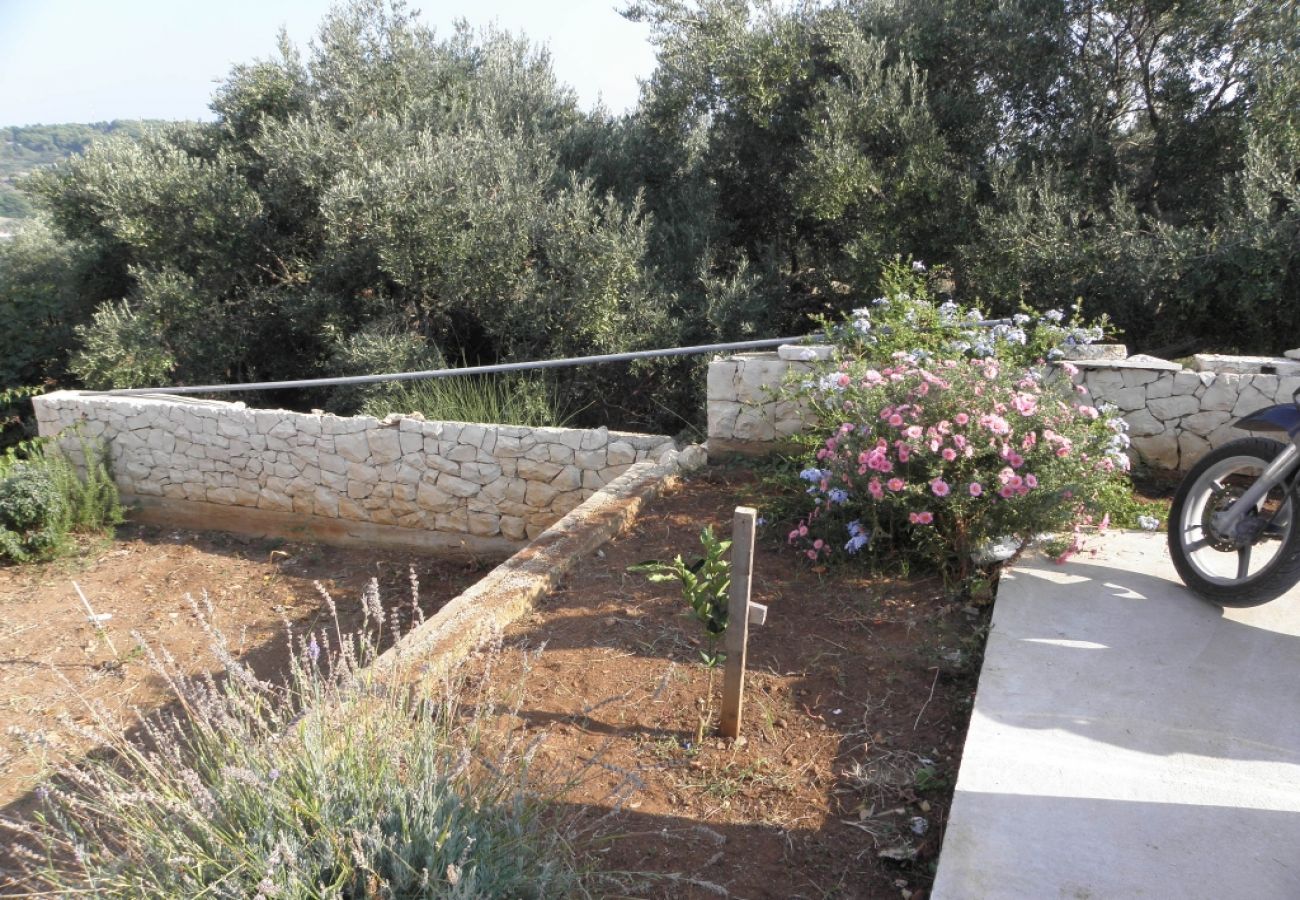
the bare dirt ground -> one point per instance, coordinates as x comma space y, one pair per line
55, 663
858, 698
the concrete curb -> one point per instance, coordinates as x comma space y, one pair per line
509, 590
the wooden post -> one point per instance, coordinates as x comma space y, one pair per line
738, 612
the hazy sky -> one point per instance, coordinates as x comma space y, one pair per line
96, 60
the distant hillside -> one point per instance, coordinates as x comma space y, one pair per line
27, 148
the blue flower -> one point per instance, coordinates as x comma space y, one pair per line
813, 475
838, 495
859, 537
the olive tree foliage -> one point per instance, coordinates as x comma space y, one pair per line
388, 200
1114, 150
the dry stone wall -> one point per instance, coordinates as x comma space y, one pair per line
487, 481
1175, 414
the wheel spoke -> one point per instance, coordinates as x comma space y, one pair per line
1194, 546
1243, 562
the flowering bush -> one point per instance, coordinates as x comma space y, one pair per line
946, 457
909, 318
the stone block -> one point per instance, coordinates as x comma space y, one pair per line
480, 473
1101, 382
752, 425
1142, 424
620, 454
1138, 377
537, 471
722, 381
484, 524
568, 479
1202, 423
385, 445
594, 438
558, 453
433, 498
362, 474
359, 490
462, 453
1286, 388
1222, 393
351, 509
452, 521
1129, 398
722, 416
1252, 399
1173, 407
513, 528
325, 503
1191, 447
590, 459
458, 487
352, 447
285, 429
539, 495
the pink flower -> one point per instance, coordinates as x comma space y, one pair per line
959, 441
1006, 492
1031, 481
1063, 451
1016, 460
914, 431
940, 487
1089, 412
920, 518
895, 484
904, 452
976, 489
874, 488
961, 418
803, 531
896, 420
812, 554
949, 454
818, 544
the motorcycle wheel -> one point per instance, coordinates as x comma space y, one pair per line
1214, 567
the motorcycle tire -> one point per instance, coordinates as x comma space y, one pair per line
1202, 486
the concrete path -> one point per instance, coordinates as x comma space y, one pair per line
1129, 740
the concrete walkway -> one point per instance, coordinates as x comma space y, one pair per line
1129, 740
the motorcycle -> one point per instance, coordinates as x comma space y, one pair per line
1233, 533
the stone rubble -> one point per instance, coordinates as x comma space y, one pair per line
403, 471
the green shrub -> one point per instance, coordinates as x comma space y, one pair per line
706, 586
43, 499
336, 784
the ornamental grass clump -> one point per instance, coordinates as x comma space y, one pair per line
329, 784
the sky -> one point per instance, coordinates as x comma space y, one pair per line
98, 60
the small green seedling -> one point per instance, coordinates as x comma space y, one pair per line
705, 584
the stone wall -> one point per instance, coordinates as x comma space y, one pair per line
1175, 414
745, 414
398, 480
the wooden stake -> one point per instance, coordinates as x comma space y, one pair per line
736, 640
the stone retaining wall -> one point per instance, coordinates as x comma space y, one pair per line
392, 481
1175, 414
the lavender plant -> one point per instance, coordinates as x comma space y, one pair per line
332, 785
